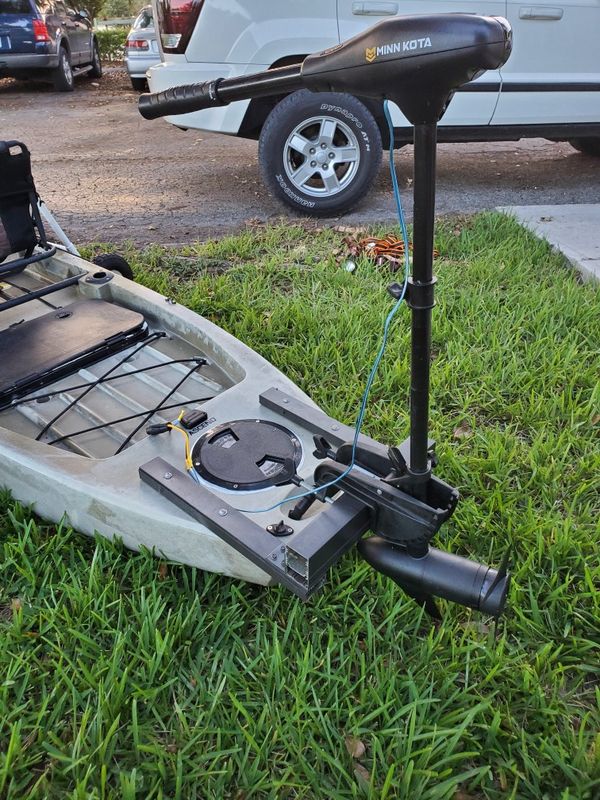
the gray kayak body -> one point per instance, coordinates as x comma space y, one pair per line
64, 450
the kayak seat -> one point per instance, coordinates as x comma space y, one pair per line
39, 351
21, 228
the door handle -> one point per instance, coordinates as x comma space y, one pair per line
369, 9
540, 12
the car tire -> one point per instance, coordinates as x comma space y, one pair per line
96, 70
63, 74
139, 84
590, 145
114, 263
319, 154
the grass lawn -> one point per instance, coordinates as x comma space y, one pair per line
125, 677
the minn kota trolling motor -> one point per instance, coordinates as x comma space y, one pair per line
417, 62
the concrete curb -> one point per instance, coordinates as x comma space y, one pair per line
574, 230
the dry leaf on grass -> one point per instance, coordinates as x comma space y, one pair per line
355, 747
162, 570
388, 250
476, 625
6, 612
254, 222
463, 431
348, 229
363, 776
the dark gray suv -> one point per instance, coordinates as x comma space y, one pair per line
48, 40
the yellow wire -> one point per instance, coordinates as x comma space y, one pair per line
188, 459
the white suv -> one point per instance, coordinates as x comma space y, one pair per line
319, 153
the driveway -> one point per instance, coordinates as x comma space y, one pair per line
109, 175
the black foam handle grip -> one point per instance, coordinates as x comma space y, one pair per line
180, 100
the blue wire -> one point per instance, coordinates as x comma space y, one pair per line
384, 338
396, 188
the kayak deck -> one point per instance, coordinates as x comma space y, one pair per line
102, 407
79, 446
73, 448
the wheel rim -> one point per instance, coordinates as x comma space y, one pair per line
321, 156
67, 71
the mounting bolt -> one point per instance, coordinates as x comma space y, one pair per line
324, 166
312, 151
335, 427
313, 163
167, 476
379, 492
331, 155
222, 512
323, 145
274, 556
285, 400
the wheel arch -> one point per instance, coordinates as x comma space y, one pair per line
260, 107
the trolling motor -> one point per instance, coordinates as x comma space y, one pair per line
417, 62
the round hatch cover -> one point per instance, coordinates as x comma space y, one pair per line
247, 454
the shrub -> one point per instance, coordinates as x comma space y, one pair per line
112, 43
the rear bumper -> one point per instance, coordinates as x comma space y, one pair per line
138, 65
223, 119
19, 62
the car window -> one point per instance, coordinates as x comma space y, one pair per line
15, 7
144, 19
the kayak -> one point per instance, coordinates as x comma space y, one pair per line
75, 404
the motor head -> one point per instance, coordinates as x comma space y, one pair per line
416, 61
